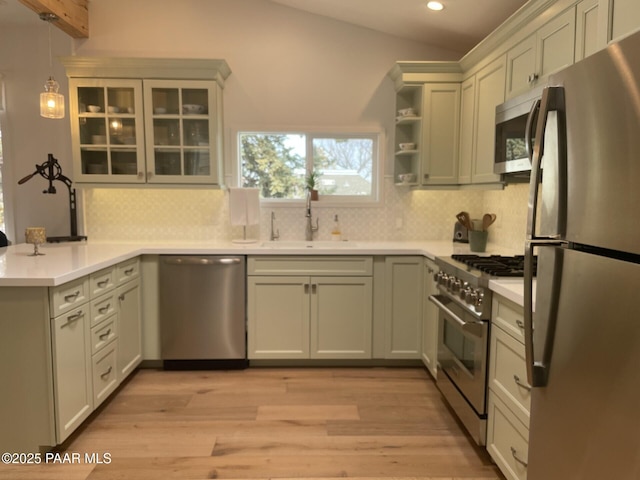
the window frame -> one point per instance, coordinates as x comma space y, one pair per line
376, 134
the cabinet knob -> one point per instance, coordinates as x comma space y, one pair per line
533, 77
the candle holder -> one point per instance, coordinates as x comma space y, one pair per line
35, 236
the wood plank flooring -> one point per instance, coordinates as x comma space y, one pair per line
264, 423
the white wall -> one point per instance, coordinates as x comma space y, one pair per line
27, 137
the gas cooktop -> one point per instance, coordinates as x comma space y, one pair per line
496, 265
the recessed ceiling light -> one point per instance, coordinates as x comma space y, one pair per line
437, 6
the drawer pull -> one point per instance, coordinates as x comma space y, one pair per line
520, 324
129, 271
105, 335
103, 283
104, 309
519, 382
72, 296
121, 297
73, 318
514, 452
106, 374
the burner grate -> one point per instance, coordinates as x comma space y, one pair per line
496, 265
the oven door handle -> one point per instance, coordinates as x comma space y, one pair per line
475, 328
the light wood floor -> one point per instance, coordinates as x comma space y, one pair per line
262, 423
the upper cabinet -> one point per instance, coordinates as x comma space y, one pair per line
489, 93
588, 37
623, 18
549, 49
154, 121
427, 123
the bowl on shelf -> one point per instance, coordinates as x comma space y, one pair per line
406, 112
191, 109
407, 177
98, 139
407, 146
159, 110
113, 109
94, 108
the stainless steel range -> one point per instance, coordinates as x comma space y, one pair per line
464, 304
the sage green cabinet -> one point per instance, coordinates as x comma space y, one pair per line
403, 307
72, 370
429, 351
440, 133
309, 307
129, 353
588, 38
548, 50
489, 93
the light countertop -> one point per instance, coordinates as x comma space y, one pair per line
64, 262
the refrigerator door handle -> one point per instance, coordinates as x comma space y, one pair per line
537, 370
552, 99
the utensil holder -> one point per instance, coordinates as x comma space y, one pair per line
478, 240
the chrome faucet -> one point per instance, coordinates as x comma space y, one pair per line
274, 234
308, 233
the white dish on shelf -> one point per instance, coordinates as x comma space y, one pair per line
159, 110
192, 109
406, 112
407, 146
94, 108
113, 109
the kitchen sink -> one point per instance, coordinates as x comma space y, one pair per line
309, 245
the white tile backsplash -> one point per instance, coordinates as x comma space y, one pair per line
201, 215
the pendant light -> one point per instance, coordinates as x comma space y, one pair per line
51, 102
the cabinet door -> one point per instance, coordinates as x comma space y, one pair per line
467, 114
429, 320
72, 370
440, 137
341, 317
182, 131
521, 67
490, 83
556, 44
403, 307
107, 130
588, 37
278, 317
129, 352
624, 18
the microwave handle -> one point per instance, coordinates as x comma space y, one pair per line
528, 133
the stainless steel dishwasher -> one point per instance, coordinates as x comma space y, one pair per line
202, 311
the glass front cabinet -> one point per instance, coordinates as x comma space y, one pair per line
146, 131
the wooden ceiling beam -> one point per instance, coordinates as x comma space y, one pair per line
73, 15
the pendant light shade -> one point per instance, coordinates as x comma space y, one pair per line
51, 102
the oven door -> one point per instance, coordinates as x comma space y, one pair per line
462, 351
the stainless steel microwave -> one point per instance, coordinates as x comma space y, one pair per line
516, 121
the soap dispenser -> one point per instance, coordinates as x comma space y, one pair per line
336, 235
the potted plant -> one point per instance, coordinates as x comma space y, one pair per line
312, 184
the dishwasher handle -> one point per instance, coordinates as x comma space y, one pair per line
202, 261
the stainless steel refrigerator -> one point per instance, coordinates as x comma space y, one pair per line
582, 341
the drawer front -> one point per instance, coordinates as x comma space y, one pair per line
508, 316
310, 265
102, 281
508, 373
68, 296
103, 307
103, 334
105, 373
128, 270
507, 440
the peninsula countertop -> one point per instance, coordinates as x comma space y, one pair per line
64, 262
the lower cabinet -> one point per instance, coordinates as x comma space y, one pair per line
65, 349
509, 392
429, 319
326, 313
129, 352
72, 370
403, 307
